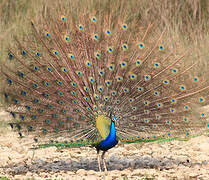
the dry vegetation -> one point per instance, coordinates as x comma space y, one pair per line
185, 20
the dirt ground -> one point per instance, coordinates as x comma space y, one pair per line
169, 160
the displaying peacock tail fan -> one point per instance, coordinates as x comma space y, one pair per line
76, 73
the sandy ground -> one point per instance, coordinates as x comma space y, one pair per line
169, 160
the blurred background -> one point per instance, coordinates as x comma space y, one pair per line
186, 21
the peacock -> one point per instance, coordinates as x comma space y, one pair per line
97, 78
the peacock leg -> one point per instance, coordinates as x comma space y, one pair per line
103, 160
98, 160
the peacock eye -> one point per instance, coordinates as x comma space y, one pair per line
114, 118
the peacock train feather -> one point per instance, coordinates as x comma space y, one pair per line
98, 78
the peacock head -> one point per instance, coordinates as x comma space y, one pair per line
113, 118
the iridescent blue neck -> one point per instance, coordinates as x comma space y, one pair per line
110, 140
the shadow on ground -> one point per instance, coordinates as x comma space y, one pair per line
113, 163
